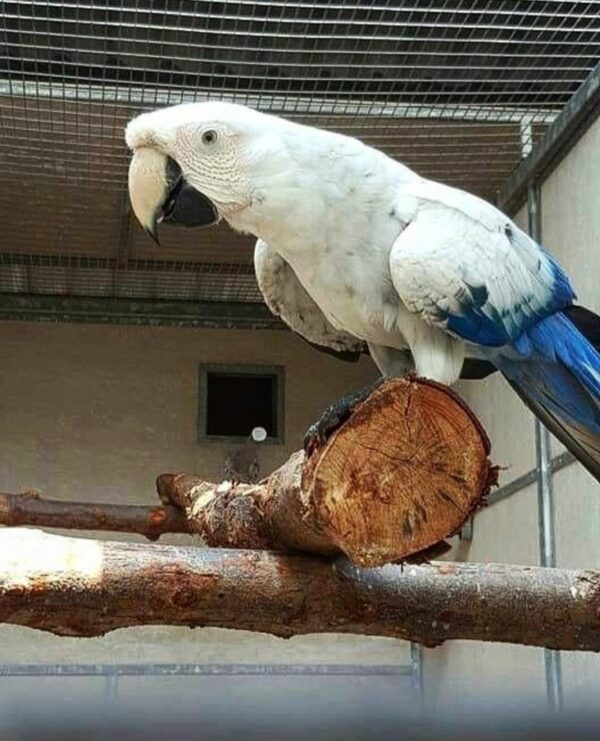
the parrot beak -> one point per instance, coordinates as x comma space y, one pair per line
148, 188
159, 193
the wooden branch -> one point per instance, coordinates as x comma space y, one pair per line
31, 509
406, 471
82, 587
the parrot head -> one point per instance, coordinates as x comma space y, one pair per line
194, 164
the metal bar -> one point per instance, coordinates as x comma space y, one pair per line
111, 688
207, 315
335, 65
545, 489
552, 659
416, 660
93, 262
323, 32
171, 670
342, 6
380, 7
576, 117
545, 497
556, 464
154, 96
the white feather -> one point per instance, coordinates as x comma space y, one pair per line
360, 248
286, 297
456, 241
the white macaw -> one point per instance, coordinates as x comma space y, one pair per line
354, 249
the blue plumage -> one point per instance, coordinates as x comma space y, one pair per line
562, 290
477, 327
541, 353
555, 364
481, 323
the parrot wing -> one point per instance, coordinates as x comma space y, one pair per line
287, 298
465, 267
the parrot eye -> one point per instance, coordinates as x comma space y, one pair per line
209, 137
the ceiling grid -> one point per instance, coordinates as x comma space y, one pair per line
456, 90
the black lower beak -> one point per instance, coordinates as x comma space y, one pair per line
187, 206
183, 206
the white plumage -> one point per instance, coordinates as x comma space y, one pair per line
355, 249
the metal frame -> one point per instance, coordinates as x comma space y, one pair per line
172, 670
522, 482
416, 661
298, 105
240, 369
568, 127
574, 120
545, 488
138, 312
442, 86
113, 672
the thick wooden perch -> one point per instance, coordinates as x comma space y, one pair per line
82, 587
405, 471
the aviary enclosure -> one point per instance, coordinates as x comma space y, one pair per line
490, 97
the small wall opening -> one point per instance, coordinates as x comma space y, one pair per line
234, 400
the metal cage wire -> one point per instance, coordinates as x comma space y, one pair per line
457, 90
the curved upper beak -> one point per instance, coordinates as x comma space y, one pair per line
159, 193
148, 188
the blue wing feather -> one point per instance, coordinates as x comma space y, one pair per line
462, 266
481, 323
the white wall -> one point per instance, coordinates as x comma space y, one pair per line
94, 413
571, 229
507, 531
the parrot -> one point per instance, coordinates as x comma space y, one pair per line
358, 253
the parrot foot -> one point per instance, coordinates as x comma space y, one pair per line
334, 417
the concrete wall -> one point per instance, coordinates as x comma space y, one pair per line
102, 409
572, 233
96, 412
507, 531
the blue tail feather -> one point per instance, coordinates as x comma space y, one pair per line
555, 364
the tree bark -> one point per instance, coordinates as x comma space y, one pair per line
82, 587
30, 508
404, 472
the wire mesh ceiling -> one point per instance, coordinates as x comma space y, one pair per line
457, 90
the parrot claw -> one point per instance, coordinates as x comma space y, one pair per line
319, 432
334, 417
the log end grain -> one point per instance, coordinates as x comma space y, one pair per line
407, 470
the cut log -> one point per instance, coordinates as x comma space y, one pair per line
83, 587
404, 472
